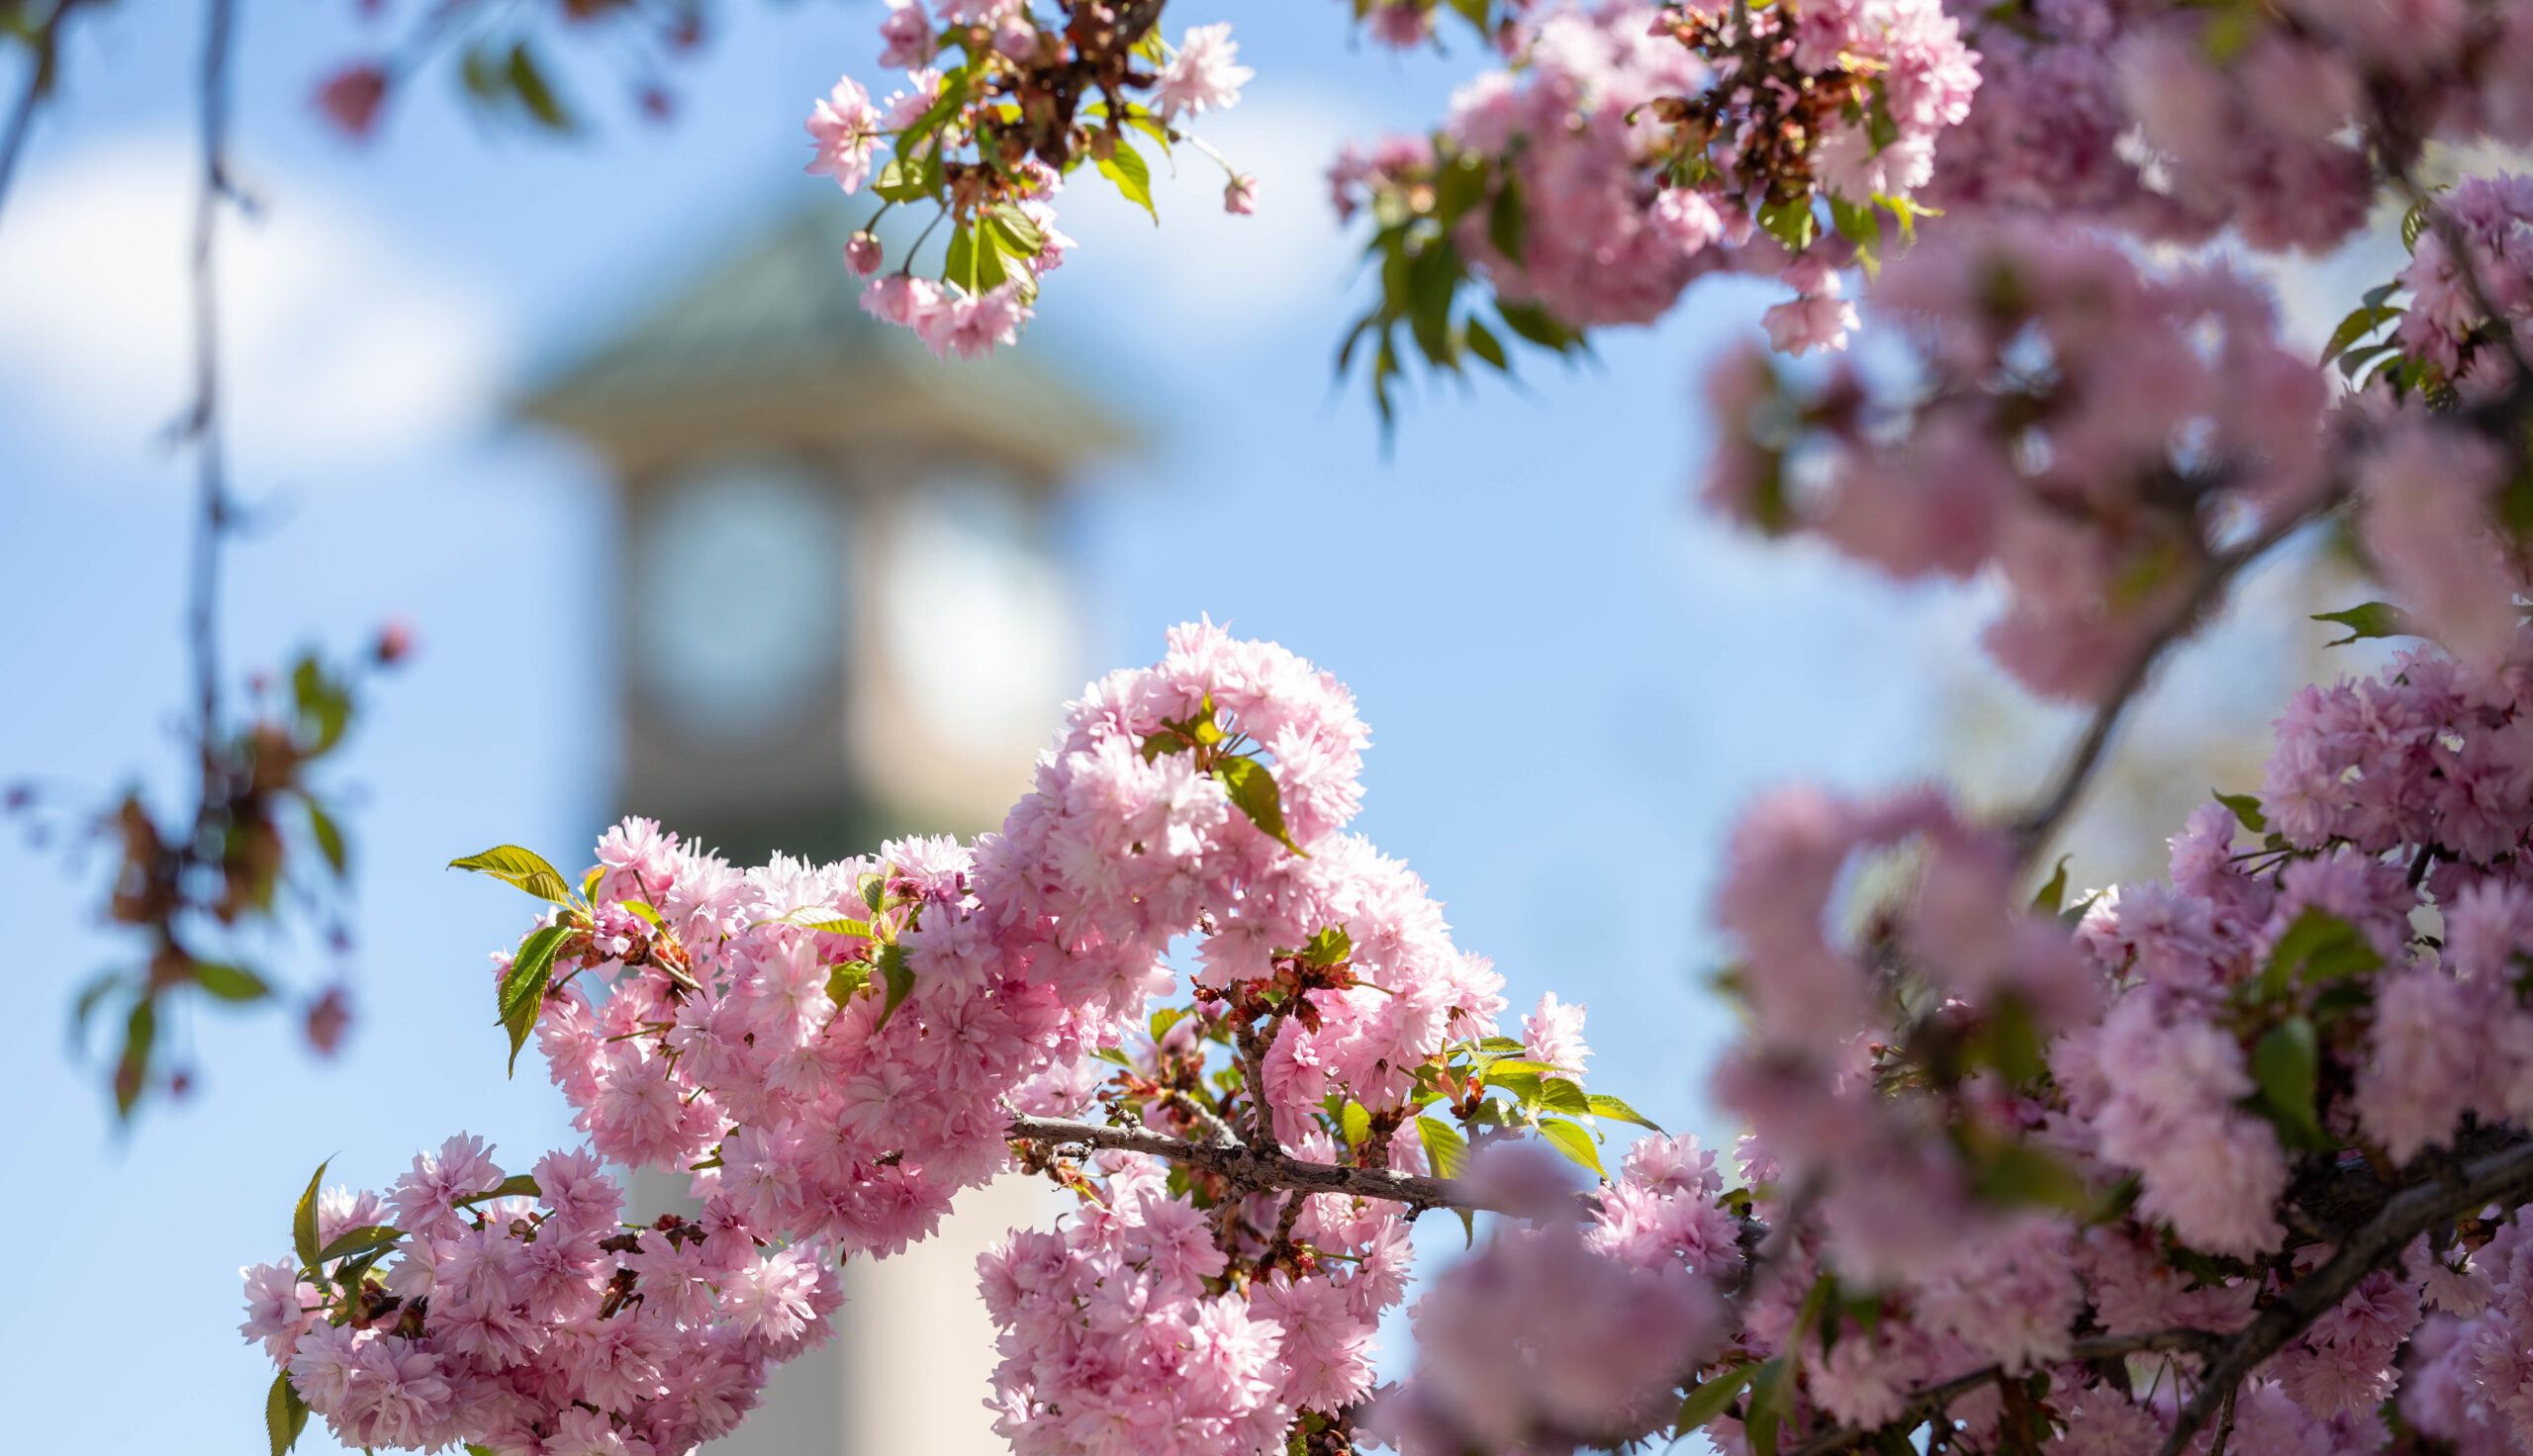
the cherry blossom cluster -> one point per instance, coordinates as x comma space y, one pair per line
518, 1314
2177, 121
1003, 100
1628, 148
2094, 431
832, 1052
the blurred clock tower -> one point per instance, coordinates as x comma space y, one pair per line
838, 618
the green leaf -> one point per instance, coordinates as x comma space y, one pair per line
900, 977
522, 868
2368, 619
846, 981
232, 983
1606, 1106
1168, 1017
2285, 1065
1463, 181
643, 908
1771, 1402
1537, 324
1707, 1398
1791, 223
2354, 363
898, 181
1132, 176
1484, 345
2053, 894
1571, 1140
2010, 1041
1445, 1148
1355, 1123
1557, 1094
285, 1413
516, 1185
521, 994
1507, 220
1860, 225
2319, 946
834, 925
2361, 321
1254, 790
358, 1240
303, 1220
1517, 1066
132, 1068
1525, 1086
2020, 1173
875, 891
1014, 233
1330, 947
527, 82
2248, 811
328, 837
325, 709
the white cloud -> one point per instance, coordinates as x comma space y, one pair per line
337, 347
1210, 275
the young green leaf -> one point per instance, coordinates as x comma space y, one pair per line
1606, 1106
1771, 1402
2285, 1063
846, 981
516, 1185
643, 908
2368, 619
521, 867
1445, 1148
328, 837
1328, 948
1571, 1140
2053, 894
2020, 1173
285, 1413
303, 1220
1356, 1122
2319, 946
836, 924
358, 1240
898, 975
1707, 1398
528, 82
1131, 175
1557, 1094
2248, 811
1252, 790
234, 984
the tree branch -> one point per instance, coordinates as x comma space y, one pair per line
2032, 831
1932, 1399
1263, 1170
2372, 1246
43, 58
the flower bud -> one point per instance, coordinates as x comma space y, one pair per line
862, 253
1240, 194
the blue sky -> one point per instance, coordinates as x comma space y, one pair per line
1573, 678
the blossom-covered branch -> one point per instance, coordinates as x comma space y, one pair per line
1263, 1171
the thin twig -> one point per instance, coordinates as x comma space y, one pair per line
1931, 1401
43, 57
2032, 831
1260, 1169
202, 422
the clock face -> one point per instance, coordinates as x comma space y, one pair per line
975, 618
740, 601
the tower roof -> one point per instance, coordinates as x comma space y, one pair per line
771, 348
